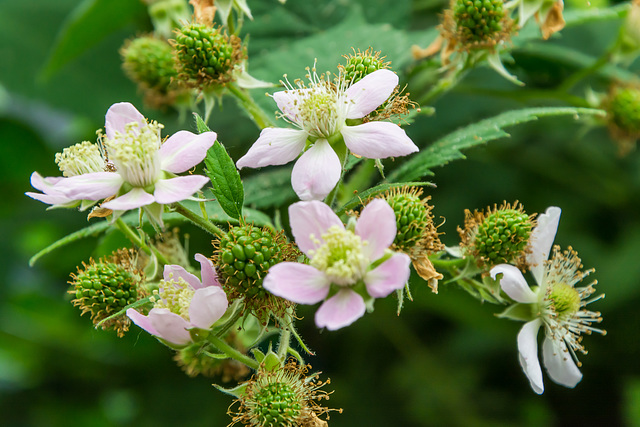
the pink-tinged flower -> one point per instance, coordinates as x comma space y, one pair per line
145, 167
182, 303
79, 159
320, 112
349, 267
556, 304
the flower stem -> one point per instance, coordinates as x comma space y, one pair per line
447, 263
232, 352
136, 240
206, 225
257, 114
285, 336
575, 78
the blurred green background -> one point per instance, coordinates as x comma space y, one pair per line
446, 361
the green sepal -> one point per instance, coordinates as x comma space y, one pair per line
518, 311
200, 124
236, 391
258, 354
227, 185
271, 361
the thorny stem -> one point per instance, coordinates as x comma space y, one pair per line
206, 225
285, 336
257, 114
136, 240
233, 353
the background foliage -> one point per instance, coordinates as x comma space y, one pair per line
447, 361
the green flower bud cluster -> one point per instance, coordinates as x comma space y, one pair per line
194, 361
244, 258
106, 287
478, 20
277, 404
624, 110
206, 54
565, 300
503, 236
149, 61
412, 219
361, 64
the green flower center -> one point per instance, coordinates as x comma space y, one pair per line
478, 20
565, 300
79, 159
277, 404
105, 288
503, 236
340, 257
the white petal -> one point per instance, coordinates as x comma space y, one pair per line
528, 354
135, 198
300, 283
541, 241
275, 146
179, 188
389, 276
183, 150
513, 283
316, 172
309, 221
340, 310
559, 363
378, 140
377, 227
370, 92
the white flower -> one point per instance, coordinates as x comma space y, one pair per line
557, 305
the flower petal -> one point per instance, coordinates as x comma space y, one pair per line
170, 326
370, 92
389, 276
559, 363
183, 150
377, 227
316, 172
177, 272
90, 186
513, 283
179, 188
289, 100
207, 306
43, 184
378, 140
528, 349
309, 221
340, 310
142, 321
119, 115
275, 146
135, 198
208, 273
541, 241
300, 283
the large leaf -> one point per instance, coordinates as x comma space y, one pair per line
227, 185
449, 148
89, 23
269, 188
214, 213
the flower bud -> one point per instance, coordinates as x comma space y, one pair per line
243, 259
623, 115
499, 236
106, 287
206, 55
360, 64
478, 21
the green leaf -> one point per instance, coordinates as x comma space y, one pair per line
449, 148
87, 25
372, 192
573, 17
227, 185
200, 124
270, 188
236, 391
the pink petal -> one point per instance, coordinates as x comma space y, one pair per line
340, 310
377, 227
179, 188
389, 276
119, 115
90, 186
513, 283
208, 273
528, 354
170, 326
288, 101
142, 321
300, 283
559, 363
207, 306
378, 140
177, 272
135, 198
316, 172
370, 92
275, 146
309, 221
183, 150
42, 184
51, 199
541, 240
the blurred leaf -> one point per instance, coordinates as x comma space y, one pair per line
227, 185
89, 23
584, 16
271, 188
449, 148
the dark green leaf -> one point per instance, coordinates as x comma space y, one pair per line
227, 185
200, 124
449, 148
